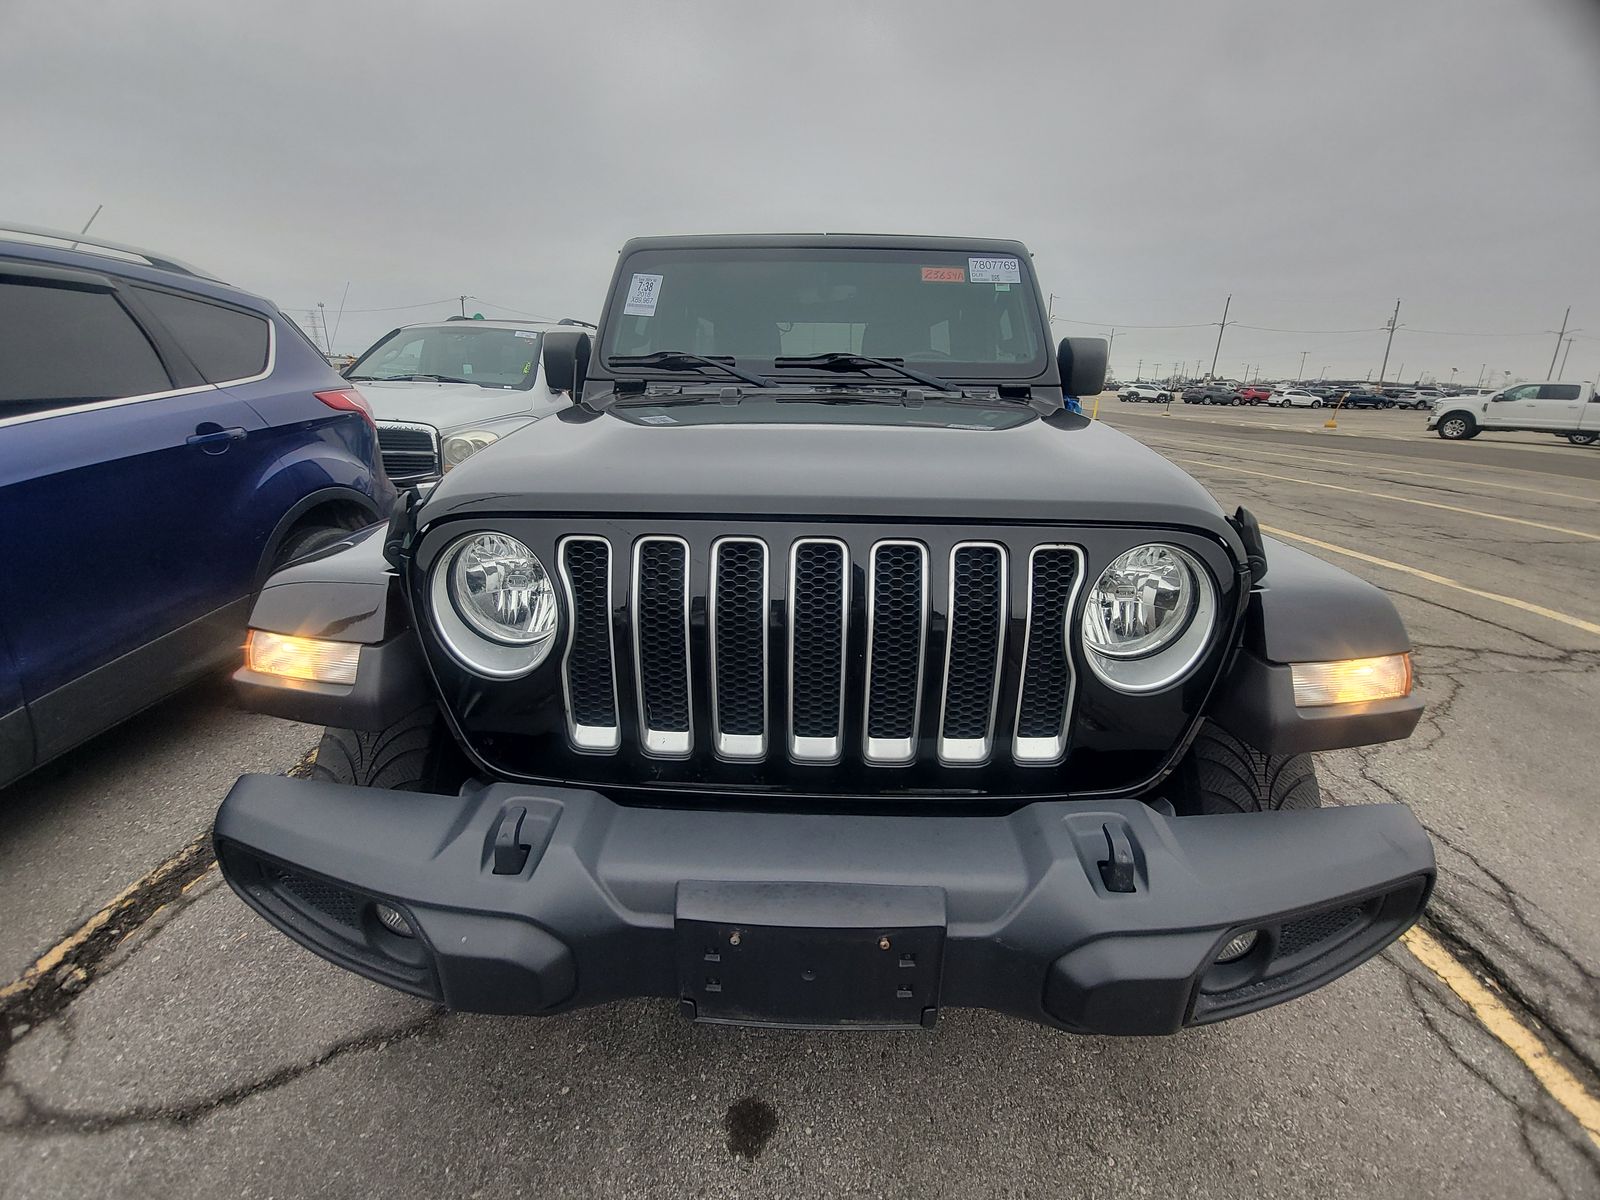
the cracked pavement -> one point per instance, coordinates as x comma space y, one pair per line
203, 1054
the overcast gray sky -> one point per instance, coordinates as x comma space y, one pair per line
1316, 162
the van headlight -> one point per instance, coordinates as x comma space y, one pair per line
495, 605
1148, 618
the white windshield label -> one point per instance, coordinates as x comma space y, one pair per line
642, 294
521, 333
991, 270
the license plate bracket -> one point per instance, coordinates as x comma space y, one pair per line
810, 956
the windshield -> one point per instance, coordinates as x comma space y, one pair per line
952, 314
462, 352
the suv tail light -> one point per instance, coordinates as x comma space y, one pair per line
348, 400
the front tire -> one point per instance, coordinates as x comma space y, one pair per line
1583, 439
1457, 427
415, 754
1222, 774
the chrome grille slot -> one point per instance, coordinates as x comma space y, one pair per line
1055, 573
819, 605
409, 452
736, 614
588, 671
974, 646
660, 607
897, 635
700, 632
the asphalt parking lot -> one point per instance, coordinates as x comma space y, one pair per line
175, 1045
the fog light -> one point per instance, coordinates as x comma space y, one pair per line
394, 921
1351, 680
301, 657
1238, 946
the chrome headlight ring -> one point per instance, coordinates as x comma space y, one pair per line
1167, 580
494, 605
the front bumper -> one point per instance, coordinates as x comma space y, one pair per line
811, 920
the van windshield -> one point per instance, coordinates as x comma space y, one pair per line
950, 313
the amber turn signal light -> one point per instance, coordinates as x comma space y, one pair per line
1351, 680
311, 659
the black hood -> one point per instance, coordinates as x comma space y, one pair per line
1062, 468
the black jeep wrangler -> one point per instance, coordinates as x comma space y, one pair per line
819, 667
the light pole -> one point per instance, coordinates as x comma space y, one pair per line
1138, 373
1323, 374
1302, 373
1453, 371
1482, 371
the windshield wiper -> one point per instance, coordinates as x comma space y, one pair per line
417, 379
841, 360
682, 360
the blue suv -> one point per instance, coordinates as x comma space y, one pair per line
166, 441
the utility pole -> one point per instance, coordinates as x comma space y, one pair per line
1393, 321
1560, 337
1398, 375
1302, 374
1138, 373
88, 223
463, 306
322, 319
1220, 329
1563, 370
1481, 372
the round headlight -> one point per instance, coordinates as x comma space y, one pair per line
459, 447
502, 591
1141, 603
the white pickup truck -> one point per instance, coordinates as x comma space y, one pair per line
1569, 410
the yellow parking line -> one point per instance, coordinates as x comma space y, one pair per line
57, 954
1233, 448
1563, 1086
1441, 580
1339, 487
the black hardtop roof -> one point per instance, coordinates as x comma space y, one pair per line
810, 241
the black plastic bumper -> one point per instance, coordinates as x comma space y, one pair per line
803, 919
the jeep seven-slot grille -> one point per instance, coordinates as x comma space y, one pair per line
783, 657
409, 452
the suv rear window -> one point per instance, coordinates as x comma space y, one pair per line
224, 343
64, 346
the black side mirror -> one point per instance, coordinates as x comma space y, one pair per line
1082, 361
566, 360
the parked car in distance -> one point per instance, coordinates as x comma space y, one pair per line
166, 441
1569, 410
441, 391
1210, 393
1294, 398
818, 669
1363, 399
1147, 393
1255, 393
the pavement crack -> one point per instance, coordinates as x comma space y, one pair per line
1419, 993
65, 971
39, 1119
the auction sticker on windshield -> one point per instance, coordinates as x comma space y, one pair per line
992, 270
943, 275
642, 295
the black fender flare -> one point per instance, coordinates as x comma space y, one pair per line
1306, 610
348, 593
